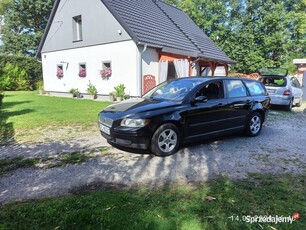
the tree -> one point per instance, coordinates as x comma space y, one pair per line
24, 23
4, 5
256, 33
209, 15
296, 24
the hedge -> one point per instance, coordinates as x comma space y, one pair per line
19, 73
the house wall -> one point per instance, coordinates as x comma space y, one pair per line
124, 61
98, 26
150, 63
219, 71
300, 73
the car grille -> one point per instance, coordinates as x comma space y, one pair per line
106, 121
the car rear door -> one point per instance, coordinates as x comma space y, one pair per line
296, 89
239, 104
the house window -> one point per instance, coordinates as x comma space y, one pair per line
106, 65
82, 69
106, 71
59, 71
77, 28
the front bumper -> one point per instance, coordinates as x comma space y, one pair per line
131, 138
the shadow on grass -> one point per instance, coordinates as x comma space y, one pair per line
7, 131
13, 103
219, 204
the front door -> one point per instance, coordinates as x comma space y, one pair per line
206, 118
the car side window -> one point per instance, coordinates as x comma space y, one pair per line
255, 88
213, 90
235, 88
295, 82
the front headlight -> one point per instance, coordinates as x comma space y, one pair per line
135, 123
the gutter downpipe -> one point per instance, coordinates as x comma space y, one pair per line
139, 82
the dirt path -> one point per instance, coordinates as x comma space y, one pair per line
279, 149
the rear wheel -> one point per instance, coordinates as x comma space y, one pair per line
166, 140
254, 125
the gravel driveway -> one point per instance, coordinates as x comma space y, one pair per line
280, 148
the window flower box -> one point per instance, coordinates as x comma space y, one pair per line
82, 73
59, 72
106, 73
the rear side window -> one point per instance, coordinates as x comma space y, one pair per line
255, 88
295, 82
235, 88
274, 81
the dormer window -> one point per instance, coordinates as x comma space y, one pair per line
77, 28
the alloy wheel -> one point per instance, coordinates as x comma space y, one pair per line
167, 140
255, 125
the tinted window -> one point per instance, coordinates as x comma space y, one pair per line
235, 88
255, 88
213, 90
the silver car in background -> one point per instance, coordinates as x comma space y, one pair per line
283, 89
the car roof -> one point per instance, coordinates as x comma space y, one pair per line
204, 79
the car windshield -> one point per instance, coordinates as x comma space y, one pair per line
273, 71
173, 90
274, 81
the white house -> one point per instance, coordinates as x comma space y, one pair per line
142, 42
301, 73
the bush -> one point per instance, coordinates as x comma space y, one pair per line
19, 73
119, 90
92, 90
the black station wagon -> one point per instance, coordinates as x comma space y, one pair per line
184, 110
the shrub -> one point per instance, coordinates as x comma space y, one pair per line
14, 78
92, 90
119, 90
19, 73
74, 92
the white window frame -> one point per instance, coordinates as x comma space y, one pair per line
77, 28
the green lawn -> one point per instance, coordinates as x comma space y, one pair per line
21, 112
219, 204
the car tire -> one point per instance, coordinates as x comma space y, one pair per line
289, 107
254, 124
165, 140
299, 104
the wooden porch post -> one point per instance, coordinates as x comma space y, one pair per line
213, 66
226, 69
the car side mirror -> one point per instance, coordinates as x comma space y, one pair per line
201, 99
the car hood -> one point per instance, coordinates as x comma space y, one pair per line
138, 105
